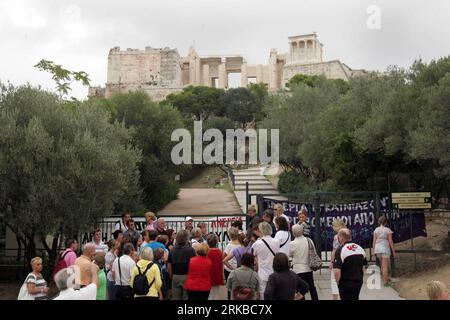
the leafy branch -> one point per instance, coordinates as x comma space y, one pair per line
63, 77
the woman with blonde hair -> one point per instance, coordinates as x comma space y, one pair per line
382, 246
35, 286
196, 237
146, 267
150, 217
436, 290
337, 225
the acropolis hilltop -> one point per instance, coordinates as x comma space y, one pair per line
161, 71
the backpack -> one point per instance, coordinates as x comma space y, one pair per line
140, 283
242, 292
314, 260
61, 264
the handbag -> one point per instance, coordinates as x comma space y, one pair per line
242, 292
123, 292
315, 263
24, 294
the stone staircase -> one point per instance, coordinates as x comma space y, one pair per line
257, 182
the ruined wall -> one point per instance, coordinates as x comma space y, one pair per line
331, 70
156, 71
97, 92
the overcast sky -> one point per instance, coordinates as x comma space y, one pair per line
79, 34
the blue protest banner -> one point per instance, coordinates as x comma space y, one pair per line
359, 217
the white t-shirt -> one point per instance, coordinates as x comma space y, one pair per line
101, 247
284, 237
299, 251
382, 244
265, 257
120, 226
126, 267
229, 248
285, 217
87, 293
109, 260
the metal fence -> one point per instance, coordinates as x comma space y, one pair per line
231, 176
218, 225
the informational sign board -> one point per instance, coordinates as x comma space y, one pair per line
411, 200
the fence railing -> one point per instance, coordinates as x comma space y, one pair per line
231, 176
218, 225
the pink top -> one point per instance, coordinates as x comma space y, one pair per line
70, 257
150, 226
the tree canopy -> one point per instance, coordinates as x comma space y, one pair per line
61, 169
384, 130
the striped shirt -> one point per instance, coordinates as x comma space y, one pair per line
39, 282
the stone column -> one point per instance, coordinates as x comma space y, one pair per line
259, 73
244, 75
223, 81
198, 71
273, 70
314, 50
206, 77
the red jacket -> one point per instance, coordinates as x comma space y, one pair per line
216, 257
199, 274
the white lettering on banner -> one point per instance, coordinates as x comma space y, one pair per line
363, 218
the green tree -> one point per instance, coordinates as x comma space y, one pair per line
152, 125
293, 115
302, 79
199, 102
241, 106
61, 170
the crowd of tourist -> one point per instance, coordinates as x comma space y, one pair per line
271, 260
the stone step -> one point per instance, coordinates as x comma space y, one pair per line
261, 191
250, 169
249, 178
253, 183
247, 174
257, 190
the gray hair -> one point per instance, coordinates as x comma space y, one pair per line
62, 278
89, 247
147, 254
128, 249
297, 230
35, 259
265, 228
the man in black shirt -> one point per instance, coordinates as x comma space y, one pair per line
178, 264
348, 265
252, 221
268, 217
